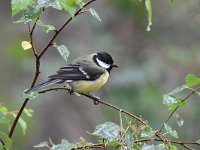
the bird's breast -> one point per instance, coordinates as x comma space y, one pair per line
90, 86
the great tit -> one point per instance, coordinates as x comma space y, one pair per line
85, 75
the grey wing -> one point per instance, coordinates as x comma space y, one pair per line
75, 72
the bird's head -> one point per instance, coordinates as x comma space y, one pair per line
104, 60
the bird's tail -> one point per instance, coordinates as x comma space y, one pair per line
42, 85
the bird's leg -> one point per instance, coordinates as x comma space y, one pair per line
96, 99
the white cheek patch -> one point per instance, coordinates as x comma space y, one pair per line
103, 64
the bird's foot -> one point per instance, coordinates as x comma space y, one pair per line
71, 91
95, 99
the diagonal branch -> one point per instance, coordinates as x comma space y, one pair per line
62, 27
171, 114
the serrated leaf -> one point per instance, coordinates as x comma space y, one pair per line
7, 141
173, 101
94, 14
42, 144
26, 45
179, 120
44, 3
149, 11
28, 112
192, 80
30, 95
147, 132
30, 14
63, 50
19, 5
46, 28
170, 130
107, 130
65, 145
56, 5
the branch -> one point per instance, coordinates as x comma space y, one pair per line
62, 27
171, 114
2, 142
100, 101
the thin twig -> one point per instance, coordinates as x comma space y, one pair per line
61, 28
100, 101
37, 62
2, 142
171, 114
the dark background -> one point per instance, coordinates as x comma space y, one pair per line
150, 65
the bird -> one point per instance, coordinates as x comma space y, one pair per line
85, 75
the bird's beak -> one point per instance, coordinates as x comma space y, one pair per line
114, 66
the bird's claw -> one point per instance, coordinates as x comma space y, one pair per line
96, 99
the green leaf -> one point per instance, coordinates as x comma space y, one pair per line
107, 130
192, 80
19, 5
28, 112
114, 144
42, 144
30, 95
172, 147
56, 5
63, 50
7, 141
44, 3
171, 1
3, 109
172, 101
179, 120
46, 28
65, 145
94, 14
149, 11
30, 14
170, 130
22, 123
69, 6
147, 132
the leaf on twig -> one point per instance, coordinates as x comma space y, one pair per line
26, 45
192, 80
19, 5
179, 120
147, 132
30, 95
63, 50
149, 11
46, 28
94, 14
170, 130
107, 130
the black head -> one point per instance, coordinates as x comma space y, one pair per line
103, 59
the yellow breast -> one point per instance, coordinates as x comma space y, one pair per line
90, 86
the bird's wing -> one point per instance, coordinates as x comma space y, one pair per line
75, 72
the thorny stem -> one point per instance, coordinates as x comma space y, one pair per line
37, 61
